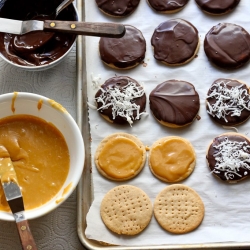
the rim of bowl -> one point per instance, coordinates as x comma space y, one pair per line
52, 203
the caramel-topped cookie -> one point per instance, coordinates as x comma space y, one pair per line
117, 8
228, 102
172, 159
167, 6
217, 7
175, 42
228, 157
174, 103
121, 100
227, 45
120, 156
123, 53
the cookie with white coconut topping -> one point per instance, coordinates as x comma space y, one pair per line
228, 157
121, 100
228, 102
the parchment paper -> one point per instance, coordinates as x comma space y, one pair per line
227, 207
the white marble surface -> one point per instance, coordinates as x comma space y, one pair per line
58, 229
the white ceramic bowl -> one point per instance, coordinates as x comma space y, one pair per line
26, 103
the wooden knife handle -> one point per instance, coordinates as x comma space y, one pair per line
25, 235
86, 28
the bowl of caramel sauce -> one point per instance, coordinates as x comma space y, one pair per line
34, 50
46, 148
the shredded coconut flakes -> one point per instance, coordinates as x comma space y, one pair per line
228, 101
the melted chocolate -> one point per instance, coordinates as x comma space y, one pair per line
175, 102
175, 41
231, 118
20, 49
169, 5
119, 82
211, 159
217, 6
124, 52
227, 45
119, 8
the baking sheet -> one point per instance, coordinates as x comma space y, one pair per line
227, 221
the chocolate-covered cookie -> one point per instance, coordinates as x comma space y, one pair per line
228, 157
174, 103
125, 52
227, 45
167, 6
217, 7
228, 102
117, 8
175, 42
121, 100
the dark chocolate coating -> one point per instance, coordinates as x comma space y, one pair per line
175, 102
212, 161
124, 52
120, 82
118, 8
28, 9
232, 120
168, 5
217, 7
175, 41
227, 45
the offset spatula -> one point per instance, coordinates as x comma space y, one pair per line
80, 28
15, 200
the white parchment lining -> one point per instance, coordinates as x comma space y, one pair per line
227, 207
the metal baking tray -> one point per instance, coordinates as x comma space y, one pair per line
84, 189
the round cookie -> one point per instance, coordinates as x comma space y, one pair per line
175, 42
121, 100
120, 156
174, 103
228, 157
123, 53
168, 6
228, 102
178, 209
126, 210
217, 7
227, 46
172, 159
118, 8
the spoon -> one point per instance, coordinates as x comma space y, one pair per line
34, 40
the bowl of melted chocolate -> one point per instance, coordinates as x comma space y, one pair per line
37, 50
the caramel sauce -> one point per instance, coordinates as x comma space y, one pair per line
120, 158
39, 104
13, 102
39, 155
171, 159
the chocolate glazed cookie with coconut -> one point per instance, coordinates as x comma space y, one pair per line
228, 102
121, 100
174, 103
175, 42
228, 157
168, 6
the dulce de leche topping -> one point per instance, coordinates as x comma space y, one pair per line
174, 102
172, 159
120, 158
119, 8
26, 49
175, 42
168, 5
227, 45
217, 6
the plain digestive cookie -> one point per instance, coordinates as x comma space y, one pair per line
172, 159
178, 209
120, 156
126, 210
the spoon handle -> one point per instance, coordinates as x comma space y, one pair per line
86, 28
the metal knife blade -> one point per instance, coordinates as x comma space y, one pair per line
14, 198
80, 28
